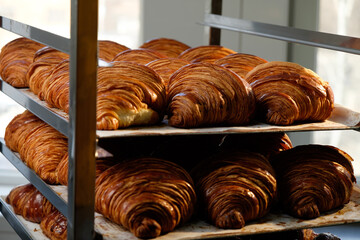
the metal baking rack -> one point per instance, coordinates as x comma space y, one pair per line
79, 125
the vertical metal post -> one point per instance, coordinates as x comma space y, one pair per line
215, 33
82, 130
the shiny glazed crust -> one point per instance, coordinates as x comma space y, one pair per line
204, 94
235, 187
169, 47
147, 196
15, 58
54, 226
313, 179
287, 93
28, 202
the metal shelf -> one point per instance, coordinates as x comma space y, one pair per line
33, 104
14, 222
30, 175
81, 127
289, 34
47, 38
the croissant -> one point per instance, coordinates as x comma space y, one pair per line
240, 63
28, 202
129, 94
140, 56
40, 146
40, 69
287, 93
165, 67
170, 47
235, 187
109, 49
203, 94
208, 53
15, 58
54, 226
267, 144
147, 196
313, 179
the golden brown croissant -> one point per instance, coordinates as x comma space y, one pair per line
40, 69
287, 93
148, 196
169, 47
235, 187
267, 144
28, 202
313, 179
15, 58
40, 146
109, 49
127, 94
165, 67
240, 63
208, 53
54, 226
203, 94
140, 56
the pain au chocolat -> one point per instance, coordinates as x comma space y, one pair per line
147, 196
15, 58
287, 93
205, 94
235, 187
313, 179
170, 47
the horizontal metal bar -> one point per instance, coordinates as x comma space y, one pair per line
58, 122
295, 35
55, 41
30, 175
14, 222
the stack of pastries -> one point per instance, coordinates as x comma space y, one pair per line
189, 86
238, 181
28, 202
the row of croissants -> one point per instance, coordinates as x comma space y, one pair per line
233, 180
166, 79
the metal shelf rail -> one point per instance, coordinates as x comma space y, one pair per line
81, 127
289, 34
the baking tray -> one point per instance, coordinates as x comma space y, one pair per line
341, 118
197, 229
